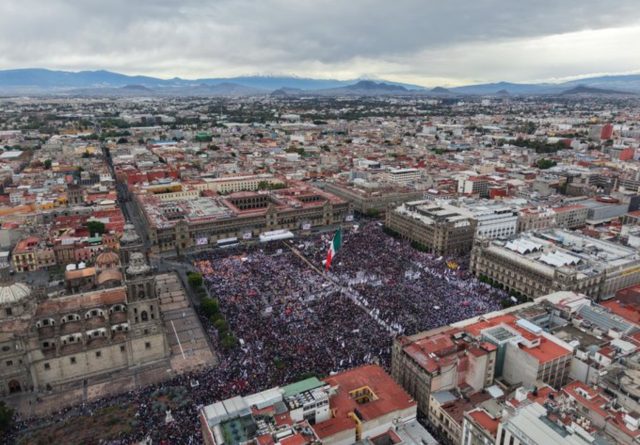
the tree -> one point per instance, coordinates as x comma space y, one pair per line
372, 213
47, 164
210, 306
95, 227
195, 279
228, 341
6, 416
544, 164
221, 325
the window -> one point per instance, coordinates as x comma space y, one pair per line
147, 345
122, 348
8, 311
98, 354
9, 362
47, 366
72, 360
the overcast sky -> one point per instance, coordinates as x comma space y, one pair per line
427, 42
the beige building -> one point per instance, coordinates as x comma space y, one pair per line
374, 200
536, 219
51, 343
184, 225
539, 263
571, 216
439, 360
440, 228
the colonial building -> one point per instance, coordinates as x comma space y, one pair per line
49, 343
184, 225
539, 263
377, 199
440, 228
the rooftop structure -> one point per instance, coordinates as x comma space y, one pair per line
361, 404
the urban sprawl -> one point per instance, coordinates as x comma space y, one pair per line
290, 270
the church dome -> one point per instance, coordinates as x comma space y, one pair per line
13, 293
109, 275
107, 259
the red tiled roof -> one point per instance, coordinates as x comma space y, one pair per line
389, 397
82, 301
487, 422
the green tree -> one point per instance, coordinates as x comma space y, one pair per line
47, 164
228, 341
6, 416
544, 164
221, 325
95, 227
195, 279
210, 306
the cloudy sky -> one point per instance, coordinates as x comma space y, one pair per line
427, 42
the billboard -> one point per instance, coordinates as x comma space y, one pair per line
246, 235
202, 241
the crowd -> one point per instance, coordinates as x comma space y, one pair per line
292, 321
409, 290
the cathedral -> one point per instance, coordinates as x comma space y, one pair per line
108, 323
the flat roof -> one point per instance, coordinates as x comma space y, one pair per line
301, 386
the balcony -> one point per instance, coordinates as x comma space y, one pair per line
94, 322
71, 326
71, 348
97, 342
46, 331
118, 317
118, 336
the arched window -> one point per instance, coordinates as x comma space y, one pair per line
144, 316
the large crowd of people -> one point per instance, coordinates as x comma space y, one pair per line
292, 320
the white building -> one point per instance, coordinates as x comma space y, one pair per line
531, 425
404, 176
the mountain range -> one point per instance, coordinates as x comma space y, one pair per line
37, 81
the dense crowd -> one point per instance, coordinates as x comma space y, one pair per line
292, 321
410, 290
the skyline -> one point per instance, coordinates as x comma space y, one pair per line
410, 42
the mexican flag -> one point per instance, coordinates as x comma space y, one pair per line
336, 242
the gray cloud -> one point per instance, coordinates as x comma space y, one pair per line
320, 37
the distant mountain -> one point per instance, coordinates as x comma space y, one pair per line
38, 80
42, 81
585, 90
512, 88
287, 92
136, 88
42, 78
365, 88
628, 82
